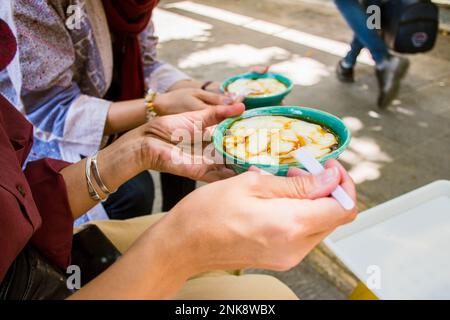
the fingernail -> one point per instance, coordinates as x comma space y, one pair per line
328, 176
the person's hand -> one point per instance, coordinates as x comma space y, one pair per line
252, 220
260, 69
188, 99
256, 220
162, 150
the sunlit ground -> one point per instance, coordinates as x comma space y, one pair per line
227, 42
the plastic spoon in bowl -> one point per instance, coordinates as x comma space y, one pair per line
313, 166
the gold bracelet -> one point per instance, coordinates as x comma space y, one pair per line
150, 105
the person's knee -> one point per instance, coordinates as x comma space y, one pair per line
246, 287
268, 287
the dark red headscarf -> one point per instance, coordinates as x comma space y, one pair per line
127, 19
8, 45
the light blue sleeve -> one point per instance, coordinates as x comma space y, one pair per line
68, 125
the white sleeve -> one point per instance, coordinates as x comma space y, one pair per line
84, 127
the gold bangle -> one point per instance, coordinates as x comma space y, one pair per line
150, 105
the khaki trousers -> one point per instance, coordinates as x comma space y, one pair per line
215, 285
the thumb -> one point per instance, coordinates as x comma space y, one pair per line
303, 186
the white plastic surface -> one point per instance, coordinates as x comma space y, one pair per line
406, 240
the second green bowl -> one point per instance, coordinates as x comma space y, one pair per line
268, 100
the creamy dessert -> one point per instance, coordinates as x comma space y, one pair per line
256, 87
272, 139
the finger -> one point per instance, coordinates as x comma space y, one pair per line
346, 181
322, 234
236, 99
217, 175
260, 69
202, 172
295, 172
318, 237
259, 170
195, 167
313, 241
311, 216
322, 215
299, 187
214, 87
214, 115
308, 244
210, 171
213, 99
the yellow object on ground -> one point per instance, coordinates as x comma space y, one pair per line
361, 292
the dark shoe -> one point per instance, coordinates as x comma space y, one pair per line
344, 74
389, 79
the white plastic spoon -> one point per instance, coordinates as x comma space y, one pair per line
313, 166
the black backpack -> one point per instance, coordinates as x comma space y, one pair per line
409, 26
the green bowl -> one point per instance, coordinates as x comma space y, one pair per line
323, 118
258, 102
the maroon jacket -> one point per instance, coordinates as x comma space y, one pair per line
34, 207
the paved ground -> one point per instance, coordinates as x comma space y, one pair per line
393, 151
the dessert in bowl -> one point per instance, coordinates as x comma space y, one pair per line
261, 87
259, 90
267, 138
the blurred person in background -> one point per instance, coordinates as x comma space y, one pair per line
389, 69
